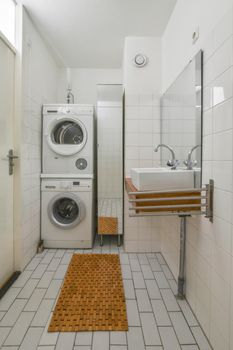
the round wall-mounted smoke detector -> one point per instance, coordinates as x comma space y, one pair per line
140, 60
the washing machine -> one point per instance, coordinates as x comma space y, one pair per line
67, 145
67, 212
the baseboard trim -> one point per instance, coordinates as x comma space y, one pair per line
9, 283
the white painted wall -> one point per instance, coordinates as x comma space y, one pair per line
177, 48
146, 80
39, 85
84, 83
142, 131
209, 258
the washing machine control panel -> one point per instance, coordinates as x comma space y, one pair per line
66, 185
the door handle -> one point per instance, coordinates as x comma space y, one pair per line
11, 158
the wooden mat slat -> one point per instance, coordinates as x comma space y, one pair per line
107, 225
92, 296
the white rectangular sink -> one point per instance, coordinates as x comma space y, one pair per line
159, 179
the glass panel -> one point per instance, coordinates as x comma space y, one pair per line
110, 156
65, 210
7, 19
67, 133
181, 118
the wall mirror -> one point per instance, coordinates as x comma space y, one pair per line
110, 160
181, 118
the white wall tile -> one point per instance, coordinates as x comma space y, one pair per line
222, 116
222, 145
223, 204
222, 174
219, 62
39, 86
209, 246
222, 88
142, 105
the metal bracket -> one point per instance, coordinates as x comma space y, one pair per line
206, 209
204, 194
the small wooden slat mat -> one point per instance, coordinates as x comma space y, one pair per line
92, 296
107, 225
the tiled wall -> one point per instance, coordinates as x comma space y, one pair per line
142, 132
209, 258
38, 87
177, 45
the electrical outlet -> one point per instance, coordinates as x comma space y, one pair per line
195, 35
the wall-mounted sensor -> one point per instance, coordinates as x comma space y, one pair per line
195, 35
140, 60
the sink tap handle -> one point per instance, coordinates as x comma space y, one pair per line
189, 162
172, 162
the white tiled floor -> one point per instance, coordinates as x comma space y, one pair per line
111, 207
157, 321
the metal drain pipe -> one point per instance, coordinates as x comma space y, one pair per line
181, 277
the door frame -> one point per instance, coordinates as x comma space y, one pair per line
15, 130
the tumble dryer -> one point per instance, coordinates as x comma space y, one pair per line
67, 145
67, 212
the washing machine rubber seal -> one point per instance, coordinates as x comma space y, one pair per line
78, 202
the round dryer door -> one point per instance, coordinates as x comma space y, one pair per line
66, 210
66, 135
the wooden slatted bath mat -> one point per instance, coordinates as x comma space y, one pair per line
107, 225
92, 296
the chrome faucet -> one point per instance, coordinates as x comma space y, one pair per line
189, 162
173, 163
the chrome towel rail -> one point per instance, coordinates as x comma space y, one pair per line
173, 209
165, 199
188, 190
179, 206
196, 213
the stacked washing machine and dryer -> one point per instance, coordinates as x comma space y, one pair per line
67, 213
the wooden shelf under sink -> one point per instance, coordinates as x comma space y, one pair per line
165, 199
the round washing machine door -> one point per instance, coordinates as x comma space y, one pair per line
66, 210
66, 135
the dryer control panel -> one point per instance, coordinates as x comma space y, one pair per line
68, 109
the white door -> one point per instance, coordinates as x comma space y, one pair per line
7, 60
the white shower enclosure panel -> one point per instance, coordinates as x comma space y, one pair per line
110, 151
110, 144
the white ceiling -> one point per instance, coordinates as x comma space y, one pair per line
90, 33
